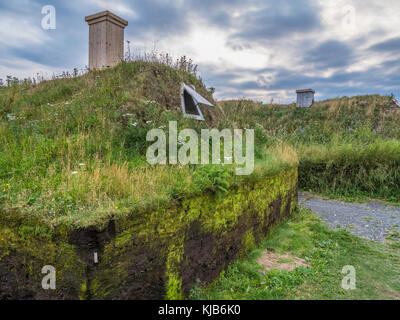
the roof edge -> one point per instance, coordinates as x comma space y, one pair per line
105, 14
305, 90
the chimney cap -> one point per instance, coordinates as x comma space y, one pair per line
106, 16
305, 90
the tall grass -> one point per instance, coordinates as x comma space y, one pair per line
347, 147
352, 169
73, 149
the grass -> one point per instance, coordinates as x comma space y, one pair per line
327, 251
352, 169
348, 148
72, 150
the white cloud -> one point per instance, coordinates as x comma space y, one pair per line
210, 44
18, 33
114, 6
22, 68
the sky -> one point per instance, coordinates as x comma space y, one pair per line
258, 49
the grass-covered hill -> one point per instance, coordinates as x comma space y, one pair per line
72, 149
347, 147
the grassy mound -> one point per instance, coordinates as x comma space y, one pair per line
72, 150
347, 147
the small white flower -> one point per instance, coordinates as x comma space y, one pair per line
149, 121
134, 124
81, 164
74, 172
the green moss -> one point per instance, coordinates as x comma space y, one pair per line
162, 230
28, 256
174, 286
248, 242
83, 291
165, 228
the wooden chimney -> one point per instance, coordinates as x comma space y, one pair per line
106, 39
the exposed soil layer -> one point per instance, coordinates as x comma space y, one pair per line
145, 274
206, 255
158, 254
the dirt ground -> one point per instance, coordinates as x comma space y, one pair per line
274, 261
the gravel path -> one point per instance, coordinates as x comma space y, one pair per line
372, 220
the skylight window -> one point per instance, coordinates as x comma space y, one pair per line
190, 101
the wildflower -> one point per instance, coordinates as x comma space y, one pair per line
116, 207
74, 172
81, 164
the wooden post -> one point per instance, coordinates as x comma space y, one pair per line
106, 39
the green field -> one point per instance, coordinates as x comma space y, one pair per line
326, 252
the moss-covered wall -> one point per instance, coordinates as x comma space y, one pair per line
146, 255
